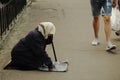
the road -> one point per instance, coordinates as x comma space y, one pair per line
74, 33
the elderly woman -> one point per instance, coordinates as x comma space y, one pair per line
29, 53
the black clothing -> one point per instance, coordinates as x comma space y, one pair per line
29, 52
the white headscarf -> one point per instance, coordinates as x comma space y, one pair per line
46, 28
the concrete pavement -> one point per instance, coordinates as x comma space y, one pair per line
73, 38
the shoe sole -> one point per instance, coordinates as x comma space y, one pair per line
95, 44
112, 48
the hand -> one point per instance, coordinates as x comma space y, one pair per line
114, 4
51, 67
49, 39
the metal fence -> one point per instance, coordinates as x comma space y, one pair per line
9, 12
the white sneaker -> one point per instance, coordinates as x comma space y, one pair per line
109, 48
95, 42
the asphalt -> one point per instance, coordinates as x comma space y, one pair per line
74, 33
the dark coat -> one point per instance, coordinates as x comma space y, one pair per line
4, 1
29, 52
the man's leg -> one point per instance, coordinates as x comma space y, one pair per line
107, 28
107, 8
96, 9
96, 25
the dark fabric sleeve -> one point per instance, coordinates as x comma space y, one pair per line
37, 45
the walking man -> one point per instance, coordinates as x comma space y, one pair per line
104, 7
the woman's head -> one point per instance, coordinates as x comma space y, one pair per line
47, 29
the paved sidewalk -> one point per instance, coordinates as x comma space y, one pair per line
73, 38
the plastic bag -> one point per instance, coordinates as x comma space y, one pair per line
115, 19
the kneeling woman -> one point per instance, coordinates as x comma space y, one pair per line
29, 53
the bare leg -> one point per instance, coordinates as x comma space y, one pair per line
96, 25
107, 28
